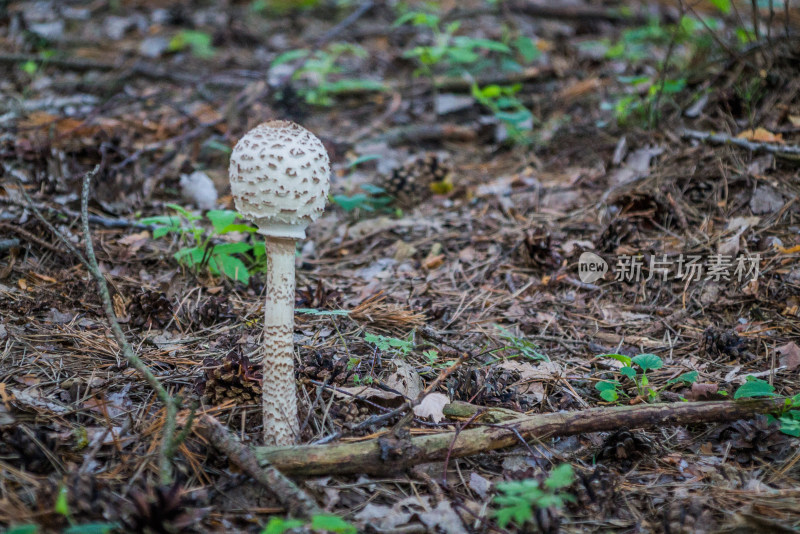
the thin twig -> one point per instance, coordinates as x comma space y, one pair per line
292, 497
168, 440
722, 139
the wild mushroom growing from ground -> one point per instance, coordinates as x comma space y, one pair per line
279, 175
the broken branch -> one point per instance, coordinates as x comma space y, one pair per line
367, 456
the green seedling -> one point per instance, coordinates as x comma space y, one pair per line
507, 108
789, 418
517, 347
391, 344
634, 369
517, 500
318, 68
235, 260
318, 523
199, 43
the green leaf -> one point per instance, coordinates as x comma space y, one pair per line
23, 529
161, 231
350, 203
606, 386
462, 55
485, 44
279, 525
609, 395
199, 42
221, 218
619, 357
183, 211
91, 528
630, 372
29, 67
648, 361
723, 5
312, 311
190, 256
232, 267
288, 57
62, 502
238, 228
332, 523
167, 220
354, 84
527, 48
362, 159
231, 248
686, 378
560, 477
754, 387
373, 189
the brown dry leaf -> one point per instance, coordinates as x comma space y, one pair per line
790, 355
578, 89
702, 391
795, 120
761, 135
405, 379
432, 406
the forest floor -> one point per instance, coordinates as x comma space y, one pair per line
554, 129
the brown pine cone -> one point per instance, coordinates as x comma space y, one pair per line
150, 309
412, 181
231, 378
625, 447
751, 441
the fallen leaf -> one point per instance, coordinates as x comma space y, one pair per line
761, 135
405, 379
479, 485
790, 355
432, 406
702, 391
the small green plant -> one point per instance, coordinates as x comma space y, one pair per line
318, 523
320, 67
517, 500
634, 369
200, 251
789, 418
198, 42
517, 347
373, 198
391, 344
432, 357
506, 107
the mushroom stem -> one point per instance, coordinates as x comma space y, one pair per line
279, 394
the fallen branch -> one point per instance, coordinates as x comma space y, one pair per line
90, 262
368, 457
298, 502
722, 139
552, 10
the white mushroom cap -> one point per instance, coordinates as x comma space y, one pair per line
280, 175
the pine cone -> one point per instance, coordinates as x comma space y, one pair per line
754, 440
689, 516
625, 447
231, 378
537, 249
29, 452
212, 310
326, 368
412, 181
718, 342
161, 511
596, 491
151, 309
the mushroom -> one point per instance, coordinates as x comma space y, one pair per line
279, 175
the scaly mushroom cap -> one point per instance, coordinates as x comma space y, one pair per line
279, 174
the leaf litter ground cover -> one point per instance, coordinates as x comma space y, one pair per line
479, 150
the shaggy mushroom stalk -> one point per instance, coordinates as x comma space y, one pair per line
279, 175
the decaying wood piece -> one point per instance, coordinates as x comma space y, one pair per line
288, 494
378, 456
